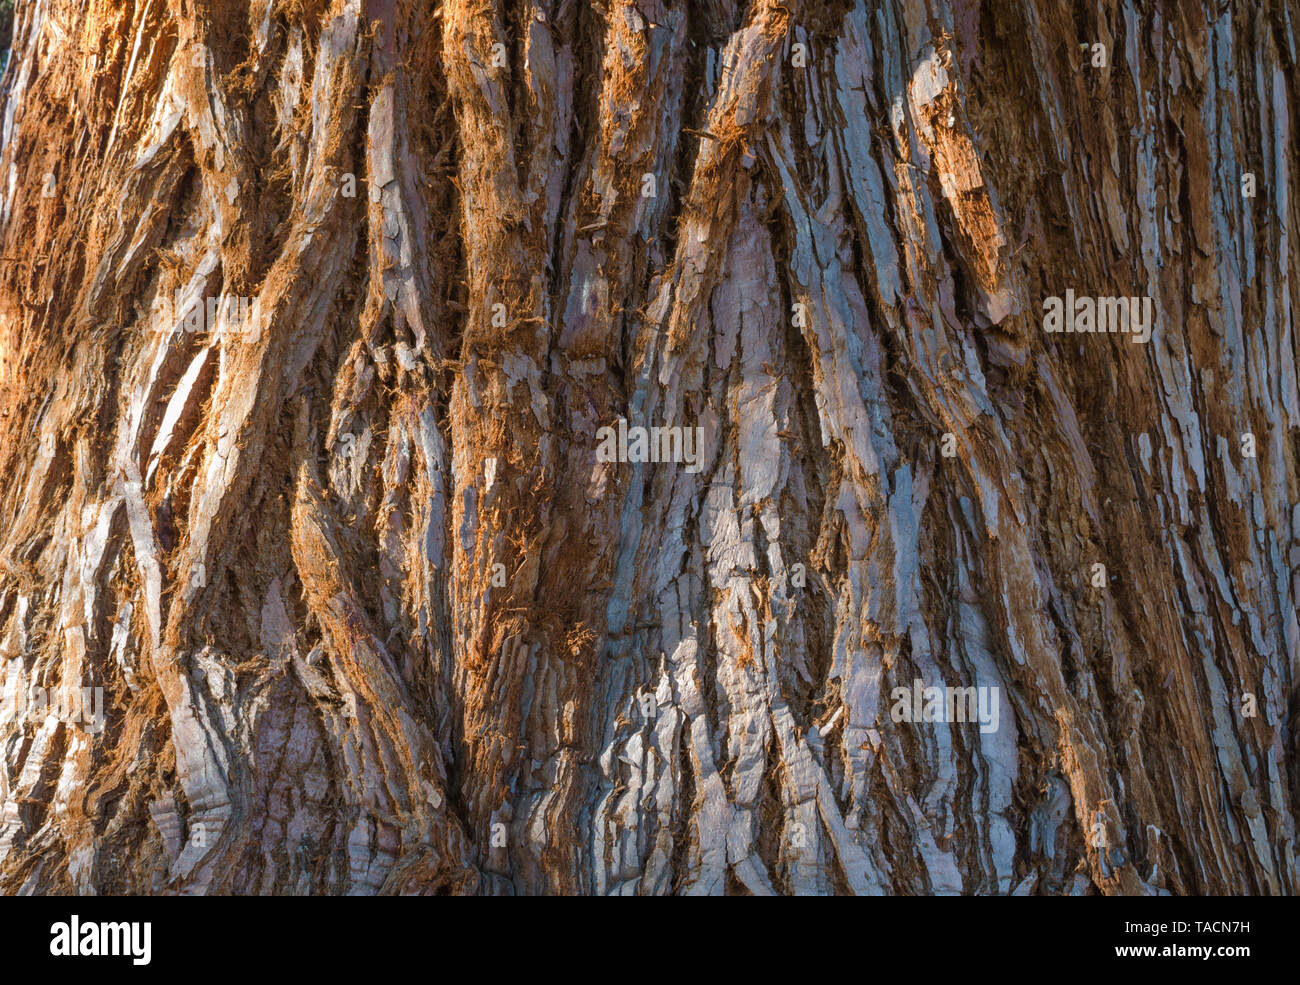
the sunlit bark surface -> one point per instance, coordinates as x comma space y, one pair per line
371, 613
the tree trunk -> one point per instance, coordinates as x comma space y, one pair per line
326, 329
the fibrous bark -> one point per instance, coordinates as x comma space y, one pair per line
371, 611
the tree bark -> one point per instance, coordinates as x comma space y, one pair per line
370, 607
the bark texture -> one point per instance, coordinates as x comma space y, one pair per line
371, 615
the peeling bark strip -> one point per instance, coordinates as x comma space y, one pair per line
640, 447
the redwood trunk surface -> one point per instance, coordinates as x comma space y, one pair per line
332, 559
